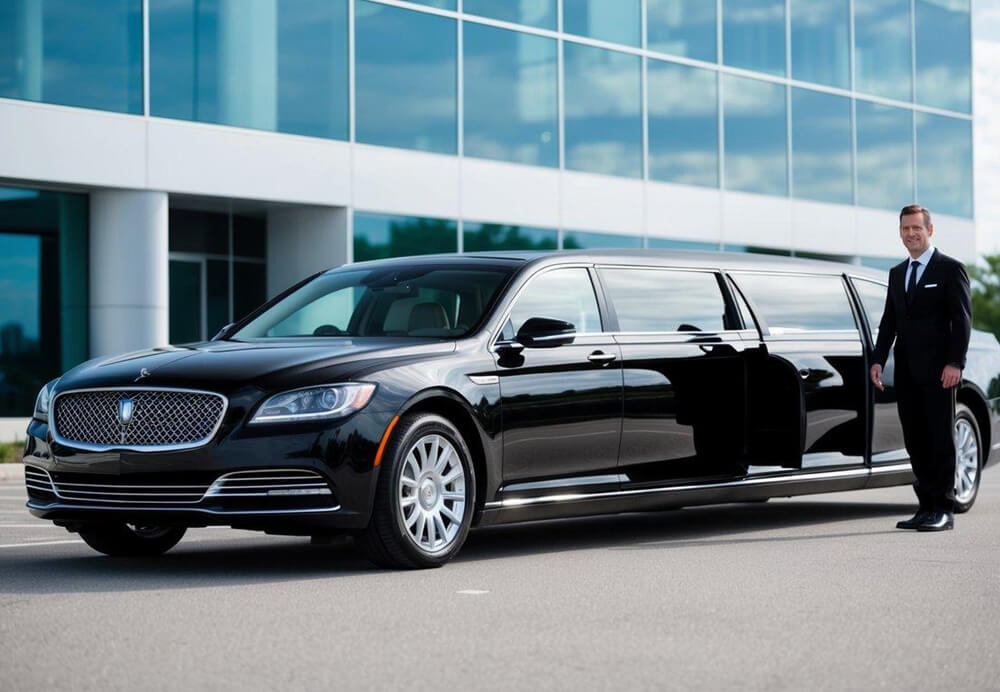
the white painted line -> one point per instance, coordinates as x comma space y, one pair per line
39, 525
472, 592
22, 545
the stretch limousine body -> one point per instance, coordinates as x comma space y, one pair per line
407, 400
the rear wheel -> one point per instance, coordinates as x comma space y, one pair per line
131, 540
425, 498
968, 458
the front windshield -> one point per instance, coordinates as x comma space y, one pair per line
443, 301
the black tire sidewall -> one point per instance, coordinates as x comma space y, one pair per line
118, 540
963, 411
414, 428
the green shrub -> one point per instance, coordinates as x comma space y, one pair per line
11, 452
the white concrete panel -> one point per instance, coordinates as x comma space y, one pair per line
14, 429
510, 193
202, 159
821, 227
303, 241
683, 212
56, 144
955, 236
877, 233
749, 219
128, 271
397, 181
602, 203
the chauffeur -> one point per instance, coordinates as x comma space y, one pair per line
928, 313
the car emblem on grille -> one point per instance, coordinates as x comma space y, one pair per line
125, 409
142, 373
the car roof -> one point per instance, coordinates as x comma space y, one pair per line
733, 261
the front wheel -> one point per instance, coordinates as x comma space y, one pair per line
425, 498
968, 459
131, 540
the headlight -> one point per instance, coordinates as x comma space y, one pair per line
43, 400
315, 403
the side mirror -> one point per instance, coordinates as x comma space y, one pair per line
544, 332
223, 332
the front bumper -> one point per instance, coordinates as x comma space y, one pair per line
284, 479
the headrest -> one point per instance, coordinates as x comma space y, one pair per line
428, 316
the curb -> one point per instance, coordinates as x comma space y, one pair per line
11, 472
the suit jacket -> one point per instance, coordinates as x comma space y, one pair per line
932, 329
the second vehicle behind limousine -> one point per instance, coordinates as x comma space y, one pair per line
407, 400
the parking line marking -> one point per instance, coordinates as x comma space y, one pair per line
39, 525
472, 592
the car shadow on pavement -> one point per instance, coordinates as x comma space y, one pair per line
217, 558
684, 528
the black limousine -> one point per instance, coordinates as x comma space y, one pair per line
407, 400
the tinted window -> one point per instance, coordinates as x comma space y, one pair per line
394, 300
741, 306
562, 294
377, 236
873, 300
791, 303
656, 300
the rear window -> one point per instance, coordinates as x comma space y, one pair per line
662, 300
792, 303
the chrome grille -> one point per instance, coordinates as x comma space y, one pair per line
269, 483
123, 493
37, 482
159, 418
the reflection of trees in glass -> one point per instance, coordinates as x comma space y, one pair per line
496, 236
401, 237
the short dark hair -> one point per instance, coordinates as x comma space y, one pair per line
915, 209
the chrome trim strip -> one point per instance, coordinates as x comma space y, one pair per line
136, 448
122, 485
484, 379
312, 510
611, 494
120, 492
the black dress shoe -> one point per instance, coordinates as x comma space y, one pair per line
916, 520
938, 521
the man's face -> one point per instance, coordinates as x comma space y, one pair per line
915, 235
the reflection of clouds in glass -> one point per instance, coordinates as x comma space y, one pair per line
665, 301
681, 91
797, 303
540, 13
943, 54
821, 41
683, 124
20, 278
603, 120
753, 11
882, 56
944, 164
689, 167
821, 147
682, 27
755, 136
885, 156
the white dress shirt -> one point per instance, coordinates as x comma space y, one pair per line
923, 259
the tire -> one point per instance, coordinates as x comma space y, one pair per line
416, 498
968, 458
131, 540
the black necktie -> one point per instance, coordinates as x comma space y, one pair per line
912, 283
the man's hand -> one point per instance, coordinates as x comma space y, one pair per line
876, 375
950, 376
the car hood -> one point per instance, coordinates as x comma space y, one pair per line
272, 364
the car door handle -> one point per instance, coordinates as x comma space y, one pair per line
601, 357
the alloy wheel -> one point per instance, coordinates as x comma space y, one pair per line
432, 494
966, 460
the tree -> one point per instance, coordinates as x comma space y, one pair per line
985, 280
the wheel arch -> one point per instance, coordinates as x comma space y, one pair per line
970, 395
449, 404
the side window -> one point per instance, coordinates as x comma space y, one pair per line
872, 296
661, 300
560, 294
794, 303
741, 306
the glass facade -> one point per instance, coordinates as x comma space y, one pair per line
511, 102
885, 156
43, 291
262, 64
882, 55
86, 54
822, 166
683, 124
218, 271
603, 111
753, 35
682, 27
821, 41
756, 137
406, 72
575, 240
537, 13
495, 236
379, 235
617, 21
944, 164
944, 54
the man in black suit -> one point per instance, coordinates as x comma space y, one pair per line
929, 315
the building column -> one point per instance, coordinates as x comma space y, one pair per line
128, 271
302, 241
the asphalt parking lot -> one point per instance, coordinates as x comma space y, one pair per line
810, 593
